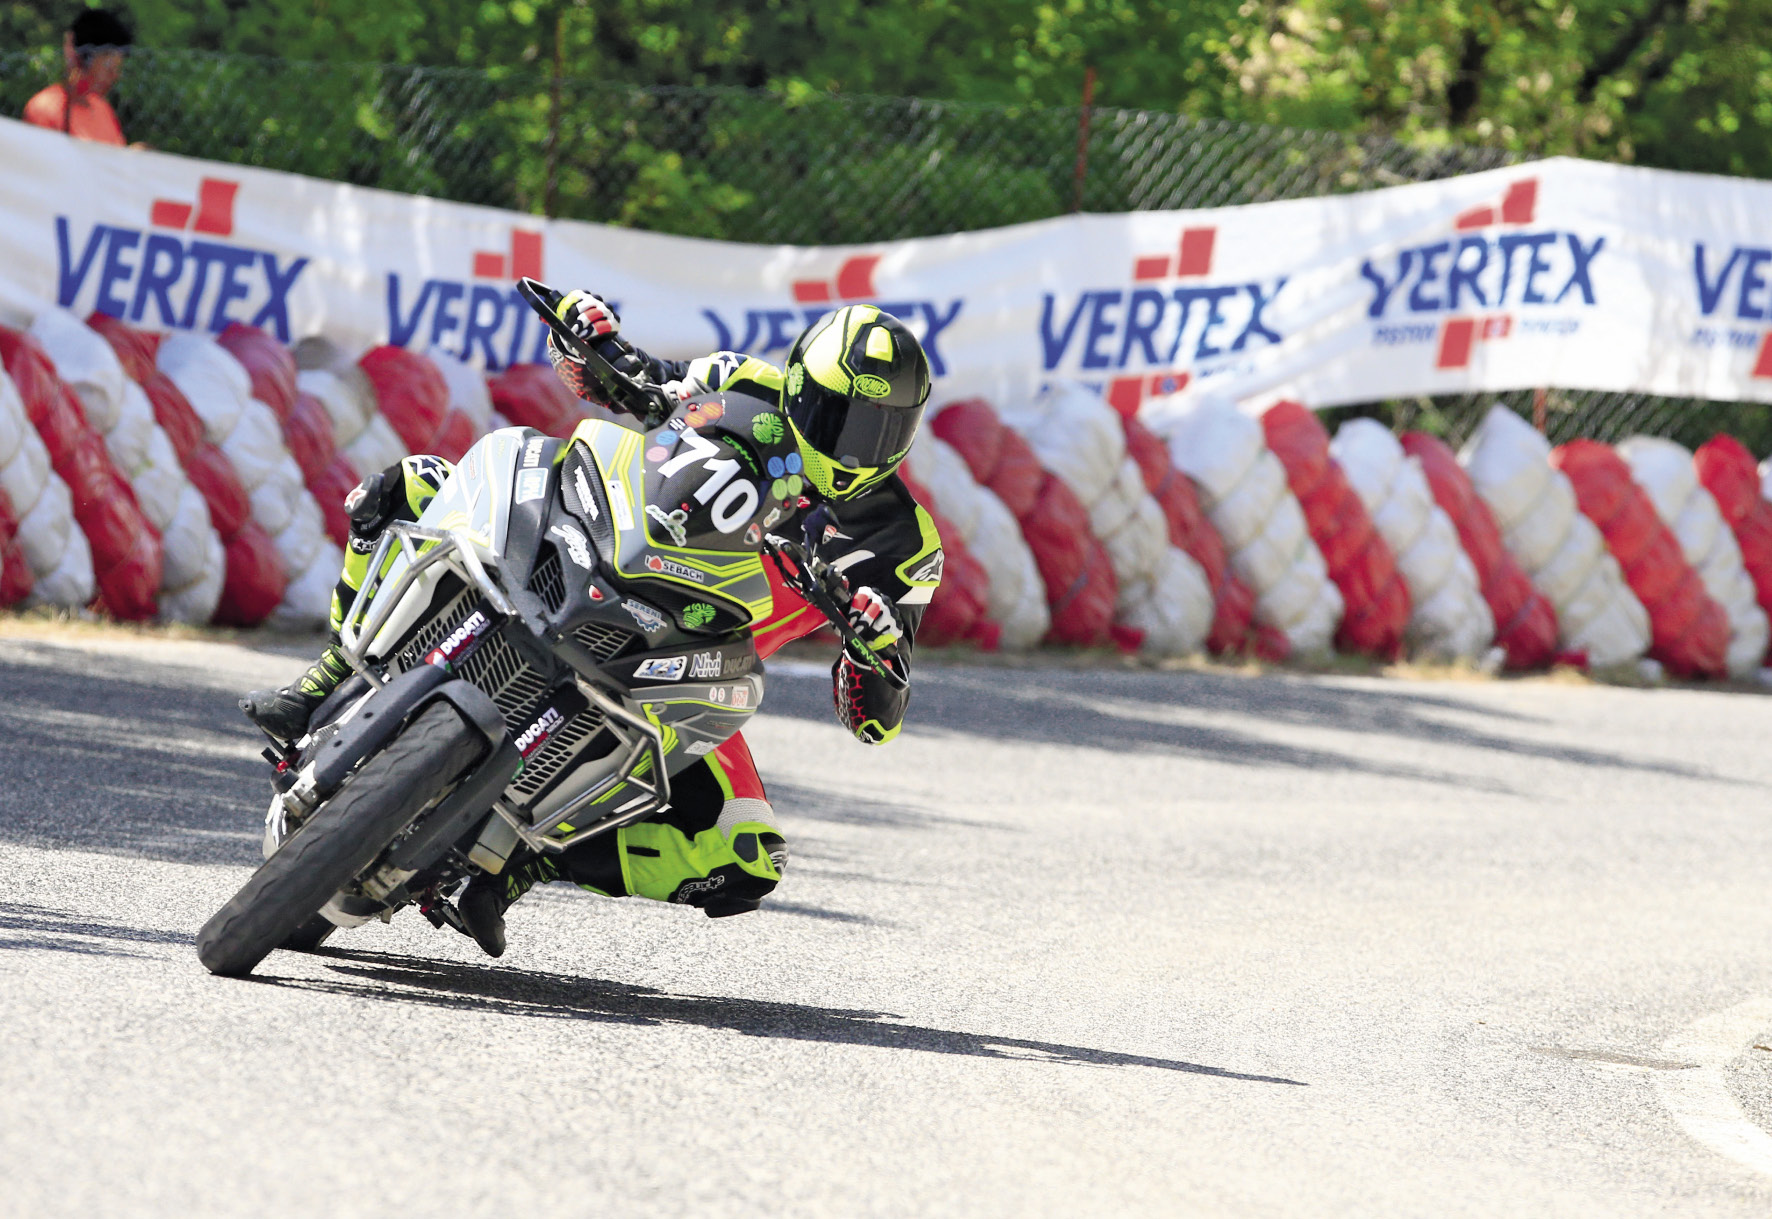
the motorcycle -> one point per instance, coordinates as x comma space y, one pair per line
566, 625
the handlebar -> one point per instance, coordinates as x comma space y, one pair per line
827, 591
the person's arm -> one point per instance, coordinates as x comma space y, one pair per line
890, 552
597, 322
48, 108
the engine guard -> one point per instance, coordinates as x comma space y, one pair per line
376, 721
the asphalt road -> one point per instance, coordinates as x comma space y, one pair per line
1079, 943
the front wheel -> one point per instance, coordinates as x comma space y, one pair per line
341, 838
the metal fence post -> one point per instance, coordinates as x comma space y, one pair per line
1083, 137
553, 152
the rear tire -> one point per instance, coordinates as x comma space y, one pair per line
342, 838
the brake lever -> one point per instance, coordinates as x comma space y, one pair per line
827, 590
646, 402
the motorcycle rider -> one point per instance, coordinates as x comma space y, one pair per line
716, 845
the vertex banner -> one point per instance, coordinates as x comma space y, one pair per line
1557, 273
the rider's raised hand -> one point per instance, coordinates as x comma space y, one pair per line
589, 315
595, 321
874, 619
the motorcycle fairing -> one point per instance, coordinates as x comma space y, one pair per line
704, 477
476, 498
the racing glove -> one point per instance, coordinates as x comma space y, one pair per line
874, 618
594, 320
868, 704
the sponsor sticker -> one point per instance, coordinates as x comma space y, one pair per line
661, 668
700, 748
767, 427
697, 614
753, 534
670, 567
532, 452
791, 464
536, 735
705, 664
531, 484
703, 412
644, 616
618, 504
582, 485
576, 545
461, 640
741, 696
673, 522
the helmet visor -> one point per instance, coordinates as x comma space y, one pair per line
853, 432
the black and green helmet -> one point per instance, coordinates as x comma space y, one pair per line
855, 386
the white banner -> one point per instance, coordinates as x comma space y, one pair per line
1558, 273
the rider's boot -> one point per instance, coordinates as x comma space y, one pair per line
285, 713
483, 903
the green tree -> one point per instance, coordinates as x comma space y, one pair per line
1677, 84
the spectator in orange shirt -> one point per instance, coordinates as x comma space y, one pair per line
93, 47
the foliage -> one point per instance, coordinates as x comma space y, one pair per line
1684, 85
1677, 83
590, 110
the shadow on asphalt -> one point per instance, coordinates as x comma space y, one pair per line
392, 978
1131, 710
144, 766
395, 978
42, 929
98, 761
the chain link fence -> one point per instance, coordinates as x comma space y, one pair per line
758, 166
1571, 414
736, 164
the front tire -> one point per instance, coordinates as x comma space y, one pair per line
339, 840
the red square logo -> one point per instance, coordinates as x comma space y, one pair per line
1456, 338
1196, 251
1763, 362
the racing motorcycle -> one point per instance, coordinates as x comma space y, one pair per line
566, 625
